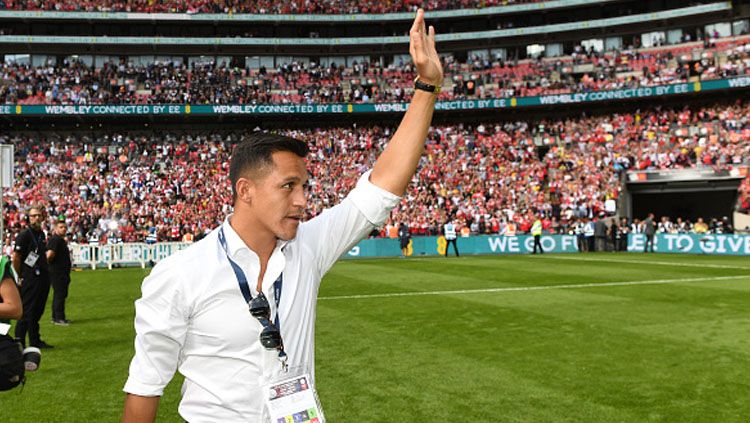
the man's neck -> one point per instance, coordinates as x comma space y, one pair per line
263, 246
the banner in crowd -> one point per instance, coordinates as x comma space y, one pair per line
130, 254
738, 245
141, 254
482, 244
524, 244
344, 108
689, 174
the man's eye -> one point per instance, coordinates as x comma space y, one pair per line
287, 185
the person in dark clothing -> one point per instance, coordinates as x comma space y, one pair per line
622, 244
600, 234
614, 235
649, 230
404, 236
29, 262
58, 257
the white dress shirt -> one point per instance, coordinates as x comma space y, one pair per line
193, 317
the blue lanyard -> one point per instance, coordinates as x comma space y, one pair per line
36, 240
242, 280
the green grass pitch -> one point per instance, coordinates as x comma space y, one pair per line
597, 337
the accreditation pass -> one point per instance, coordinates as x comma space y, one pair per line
293, 401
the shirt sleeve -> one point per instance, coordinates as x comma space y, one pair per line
338, 229
161, 318
22, 243
53, 243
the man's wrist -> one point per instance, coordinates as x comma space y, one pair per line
422, 84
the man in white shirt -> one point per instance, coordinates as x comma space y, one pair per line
193, 314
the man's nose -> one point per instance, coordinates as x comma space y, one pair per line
300, 199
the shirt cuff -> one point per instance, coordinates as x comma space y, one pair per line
141, 389
373, 202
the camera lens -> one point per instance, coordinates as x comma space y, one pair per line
32, 356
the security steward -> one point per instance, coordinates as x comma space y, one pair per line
30, 263
536, 231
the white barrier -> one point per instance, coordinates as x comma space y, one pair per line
130, 254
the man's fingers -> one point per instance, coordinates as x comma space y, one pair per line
431, 41
417, 47
417, 43
422, 42
418, 22
416, 35
431, 50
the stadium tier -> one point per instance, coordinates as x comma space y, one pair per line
124, 185
73, 82
261, 7
511, 73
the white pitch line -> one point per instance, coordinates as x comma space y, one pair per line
661, 263
532, 288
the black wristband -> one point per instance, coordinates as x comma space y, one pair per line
419, 85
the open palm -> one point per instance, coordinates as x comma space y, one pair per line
423, 53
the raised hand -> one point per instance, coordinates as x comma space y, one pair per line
423, 53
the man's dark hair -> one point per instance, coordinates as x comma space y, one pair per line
255, 152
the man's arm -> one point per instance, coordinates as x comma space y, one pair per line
16, 259
396, 165
11, 306
161, 322
19, 251
336, 230
140, 409
51, 246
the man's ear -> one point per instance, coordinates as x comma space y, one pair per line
245, 190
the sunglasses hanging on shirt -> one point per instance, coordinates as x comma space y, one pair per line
270, 335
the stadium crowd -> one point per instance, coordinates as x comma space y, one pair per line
73, 82
259, 6
133, 187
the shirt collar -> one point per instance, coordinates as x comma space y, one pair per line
235, 244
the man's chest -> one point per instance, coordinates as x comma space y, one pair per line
221, 321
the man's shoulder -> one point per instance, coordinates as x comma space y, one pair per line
23, 239
188, 267
196, 254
